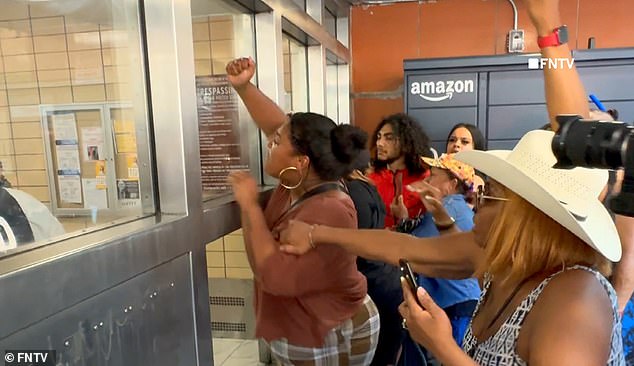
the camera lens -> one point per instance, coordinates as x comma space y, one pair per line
591, 144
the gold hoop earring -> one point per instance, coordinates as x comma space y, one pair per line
301, 178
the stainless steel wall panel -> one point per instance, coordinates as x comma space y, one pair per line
52, 283
222, 216
146, 320
170, 47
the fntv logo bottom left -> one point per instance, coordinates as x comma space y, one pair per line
30, 358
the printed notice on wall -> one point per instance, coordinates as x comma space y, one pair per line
92, 143
67, 157
124, 136
219, 132
133, 167
67, 160
69, 188
127, 189
65, 128
93, 196
125, 142
123, 126
100, 174
128, 193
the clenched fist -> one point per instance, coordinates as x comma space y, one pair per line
240, 71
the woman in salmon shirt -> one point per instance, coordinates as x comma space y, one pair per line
312, 309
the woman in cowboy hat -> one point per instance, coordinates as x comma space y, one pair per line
546, 246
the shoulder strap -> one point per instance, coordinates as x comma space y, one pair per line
323, 188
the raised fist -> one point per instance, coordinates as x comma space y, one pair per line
240, 71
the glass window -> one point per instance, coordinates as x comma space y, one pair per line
330, 22
228, 138
295, 75
73, 120
343, 26
332, 91
301, 4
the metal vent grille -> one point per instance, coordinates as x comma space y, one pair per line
228, 327
232, 315
226, 301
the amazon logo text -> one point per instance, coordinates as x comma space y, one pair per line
436, 91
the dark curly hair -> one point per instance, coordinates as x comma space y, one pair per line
334, 150
412, 138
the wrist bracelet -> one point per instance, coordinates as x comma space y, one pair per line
310, 236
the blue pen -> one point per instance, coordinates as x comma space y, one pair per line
598, 103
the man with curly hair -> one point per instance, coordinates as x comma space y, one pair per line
398, 144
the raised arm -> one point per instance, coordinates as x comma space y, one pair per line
266, 114
451, 256
565, 93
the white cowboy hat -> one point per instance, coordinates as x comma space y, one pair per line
570, 197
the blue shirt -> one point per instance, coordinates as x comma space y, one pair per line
449, 292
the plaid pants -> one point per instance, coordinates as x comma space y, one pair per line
352, 343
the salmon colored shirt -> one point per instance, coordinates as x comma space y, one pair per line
301, 298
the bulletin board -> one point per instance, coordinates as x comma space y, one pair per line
125, 156
91, 155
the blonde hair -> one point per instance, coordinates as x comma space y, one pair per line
524, 241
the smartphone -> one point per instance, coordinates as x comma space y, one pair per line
406, 271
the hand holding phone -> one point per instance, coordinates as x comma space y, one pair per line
410, 278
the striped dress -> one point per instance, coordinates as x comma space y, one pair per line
500, 349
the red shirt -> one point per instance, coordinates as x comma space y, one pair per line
301, 298
384, 180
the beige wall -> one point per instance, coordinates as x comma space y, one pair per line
226, 257
46, 58
213, 44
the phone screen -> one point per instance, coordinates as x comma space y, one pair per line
406, 271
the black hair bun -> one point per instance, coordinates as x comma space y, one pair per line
348, 142
334, 151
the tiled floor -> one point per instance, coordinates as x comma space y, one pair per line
236, 352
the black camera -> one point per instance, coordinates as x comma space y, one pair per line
602, 145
